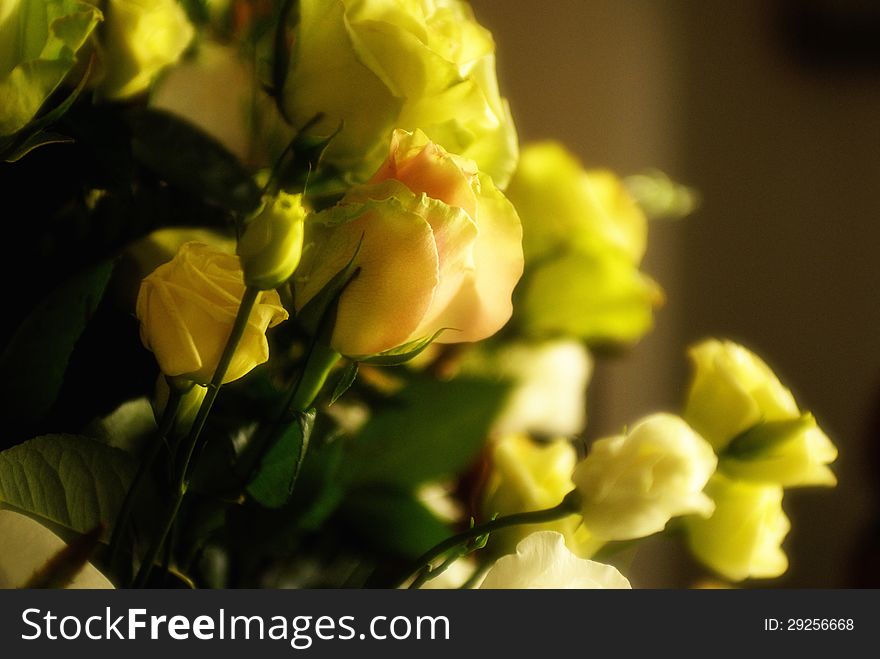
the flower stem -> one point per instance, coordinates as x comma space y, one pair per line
191, 443
146, 464
570, 504
319, 361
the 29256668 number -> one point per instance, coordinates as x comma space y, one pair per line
809, 624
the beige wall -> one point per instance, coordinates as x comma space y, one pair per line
781, 255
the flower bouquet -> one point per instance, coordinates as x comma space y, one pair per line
294, 308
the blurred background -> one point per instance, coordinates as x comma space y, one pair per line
771, 110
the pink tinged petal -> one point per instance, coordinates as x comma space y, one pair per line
455, 235
398, 272
483, 304
426, 168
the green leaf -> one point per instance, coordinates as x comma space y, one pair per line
280, 466
393, 521
38, 44
33, 364
764, 437
403, 353
17, 146
305, 156
36, 141
318, 494
345, 381
189, 158
70, 480
431, 430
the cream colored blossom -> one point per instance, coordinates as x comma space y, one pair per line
549, 381
631, 485
26, 546
543, 561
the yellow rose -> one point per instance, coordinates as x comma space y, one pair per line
583, 238
739, 405
525, 476
187, 308
373, 66
26, 546
543, 561
744, 535
140, 38
271, 245
632, 485
564, 206
439, 248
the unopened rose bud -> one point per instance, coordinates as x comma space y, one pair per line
271, 245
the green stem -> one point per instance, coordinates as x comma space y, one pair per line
320, 360
175, 395
150, 557
191, 442
570, 504
426, 574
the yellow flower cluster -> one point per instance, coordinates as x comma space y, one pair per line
764, 443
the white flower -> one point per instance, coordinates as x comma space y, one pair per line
550, 383
543, 561
632, 485
26, 546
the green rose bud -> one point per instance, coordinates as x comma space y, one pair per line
583, 239
141, 37
373, 66
739, 405
271, 245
